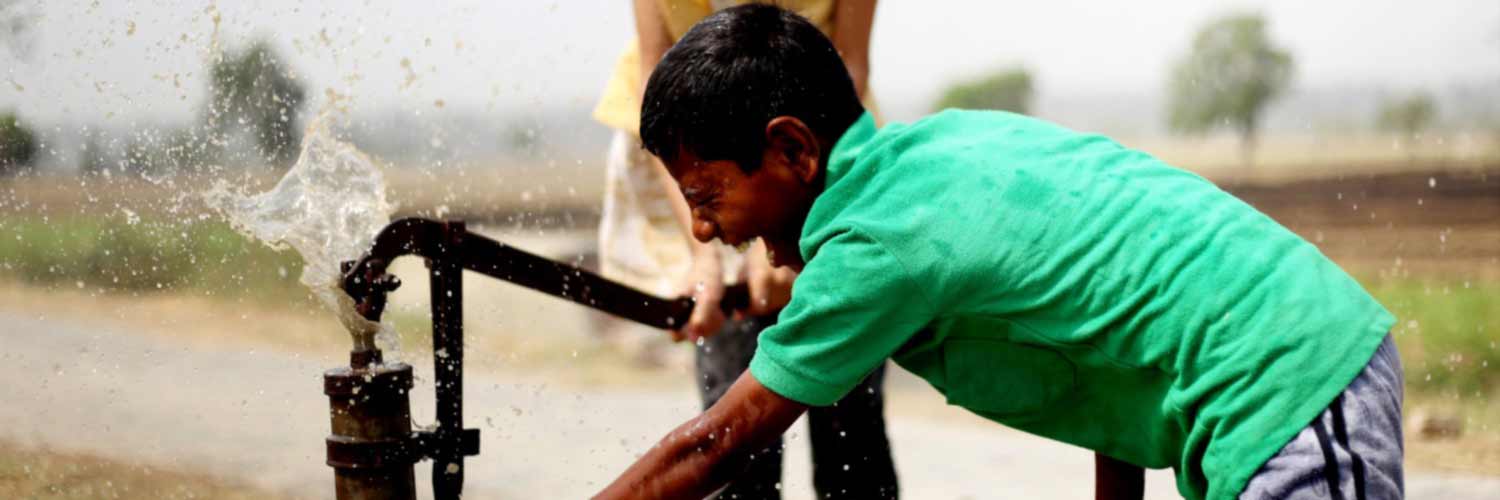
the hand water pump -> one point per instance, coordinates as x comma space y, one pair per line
373, 448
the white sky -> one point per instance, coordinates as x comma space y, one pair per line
89, 64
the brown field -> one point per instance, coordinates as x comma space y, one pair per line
1378, 219
561, 196
1439, 225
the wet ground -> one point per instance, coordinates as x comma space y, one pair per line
77, 386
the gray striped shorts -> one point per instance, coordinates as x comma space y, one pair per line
1352, 450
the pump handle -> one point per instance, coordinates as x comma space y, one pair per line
367, 281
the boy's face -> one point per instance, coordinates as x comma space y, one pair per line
770, 203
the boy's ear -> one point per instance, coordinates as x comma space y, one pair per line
791, 142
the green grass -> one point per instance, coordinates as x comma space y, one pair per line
1448, 334
120, 255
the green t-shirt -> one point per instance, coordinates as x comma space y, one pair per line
1064, 285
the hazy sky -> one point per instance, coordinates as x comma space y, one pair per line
127, 60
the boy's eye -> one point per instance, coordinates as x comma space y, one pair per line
697, 197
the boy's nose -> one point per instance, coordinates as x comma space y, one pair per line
703, 230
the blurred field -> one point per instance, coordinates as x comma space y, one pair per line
1422, 224
488, 193
1281, 158
1425, 242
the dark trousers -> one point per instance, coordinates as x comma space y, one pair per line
851, 456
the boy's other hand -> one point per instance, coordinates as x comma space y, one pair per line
705, 284
770, 286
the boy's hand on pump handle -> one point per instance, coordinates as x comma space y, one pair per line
705, 284
769, 289
770, 286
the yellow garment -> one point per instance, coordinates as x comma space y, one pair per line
640, 241
620, 106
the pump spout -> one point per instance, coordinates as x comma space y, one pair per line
365, 295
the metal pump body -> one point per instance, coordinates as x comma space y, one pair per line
372, 447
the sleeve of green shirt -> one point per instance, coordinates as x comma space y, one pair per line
852, 307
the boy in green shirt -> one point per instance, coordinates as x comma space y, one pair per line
1051, 281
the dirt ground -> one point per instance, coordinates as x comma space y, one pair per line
38, 473
79, 385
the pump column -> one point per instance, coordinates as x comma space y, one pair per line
371, 449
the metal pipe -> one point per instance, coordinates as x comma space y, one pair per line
448, 361
370, 418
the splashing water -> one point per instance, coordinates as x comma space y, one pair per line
328, 208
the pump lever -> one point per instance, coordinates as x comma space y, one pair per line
367, 282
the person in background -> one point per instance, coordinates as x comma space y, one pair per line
645, 241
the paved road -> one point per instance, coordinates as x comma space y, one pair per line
262, 416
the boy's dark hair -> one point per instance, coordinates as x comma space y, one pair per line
714, 91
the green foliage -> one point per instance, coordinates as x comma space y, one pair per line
91, 159
131, 254
1446, 333
521, 138
1232, 72
17, 145
252, 90
1007, 90
1407, 116
17, 28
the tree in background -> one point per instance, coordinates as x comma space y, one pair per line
1007, 90
251, 90
1408, 116
1232, 72
17, 145
16, 33
91, 155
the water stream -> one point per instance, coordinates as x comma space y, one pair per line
328, 208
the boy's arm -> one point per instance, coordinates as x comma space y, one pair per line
1116, 480
706, 452
851, 308
852, 22
651, 37
654, 40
